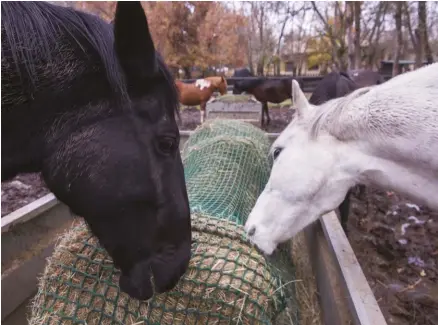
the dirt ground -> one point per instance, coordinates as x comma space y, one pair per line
21, 190
396, 242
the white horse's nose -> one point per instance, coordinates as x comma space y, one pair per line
251, 231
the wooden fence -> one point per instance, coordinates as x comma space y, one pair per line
309, 82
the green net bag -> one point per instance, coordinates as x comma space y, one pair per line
226, 168
228, 282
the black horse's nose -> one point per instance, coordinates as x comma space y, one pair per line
252, 231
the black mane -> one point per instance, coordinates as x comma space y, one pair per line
47, 21
50, 22
250, 84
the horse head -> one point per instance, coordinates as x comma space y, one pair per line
111, 155
295, 197
219, 83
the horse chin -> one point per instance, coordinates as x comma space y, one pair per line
267, 247
166, 272
138, 283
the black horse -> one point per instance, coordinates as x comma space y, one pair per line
93, 107
335, 85
364, 77
266, 90
241, 73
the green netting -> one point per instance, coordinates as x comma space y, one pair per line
226, 168
228, 280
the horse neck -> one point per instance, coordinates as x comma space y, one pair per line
407, 178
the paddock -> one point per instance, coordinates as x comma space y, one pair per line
382, 273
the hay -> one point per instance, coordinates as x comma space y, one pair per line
306, 290
228, 281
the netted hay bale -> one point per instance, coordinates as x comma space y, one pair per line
228, 282
226, 167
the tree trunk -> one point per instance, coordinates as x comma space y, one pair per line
428, 51
261, 62
399, 41
357, 49
420, 34
260, 65
349, 11
422, 26
187, 73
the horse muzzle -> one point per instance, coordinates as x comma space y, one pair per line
164, 271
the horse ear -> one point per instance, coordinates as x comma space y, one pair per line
299, 100
133, 41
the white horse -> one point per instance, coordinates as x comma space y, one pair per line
384, 135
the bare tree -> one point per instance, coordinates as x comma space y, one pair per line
420, 35
336, 32
357, 30
371, 36
289, 10
399, 40
423, 34
349, 12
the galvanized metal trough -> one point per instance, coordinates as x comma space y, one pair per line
245, 111
345, 295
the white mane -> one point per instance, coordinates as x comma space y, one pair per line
385, 135
399, 117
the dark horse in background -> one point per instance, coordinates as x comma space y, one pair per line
93, 107
339, 84
266, 90
364, 78
241, 73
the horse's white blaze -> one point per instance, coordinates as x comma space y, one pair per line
202, 83
385, 135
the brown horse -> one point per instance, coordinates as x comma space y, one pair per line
199, 92
266, 90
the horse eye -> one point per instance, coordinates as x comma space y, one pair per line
167, 144
277, 152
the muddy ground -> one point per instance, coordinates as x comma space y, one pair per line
396, 242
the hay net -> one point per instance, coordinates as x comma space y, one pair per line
226, 168
228, 281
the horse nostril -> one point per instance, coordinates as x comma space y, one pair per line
251, 232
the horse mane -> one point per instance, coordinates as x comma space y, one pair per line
250, 84
345, 74
326, 116
48, 22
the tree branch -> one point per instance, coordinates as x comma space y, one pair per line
408, 24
